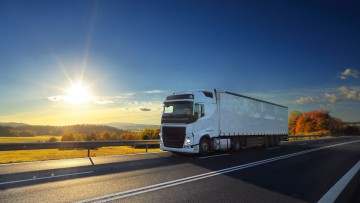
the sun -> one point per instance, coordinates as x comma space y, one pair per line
78, 94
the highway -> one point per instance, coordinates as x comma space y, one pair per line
303, 171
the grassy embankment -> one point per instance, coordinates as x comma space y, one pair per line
49, 154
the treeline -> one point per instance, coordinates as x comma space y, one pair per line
318, 122
146, 134
34, 130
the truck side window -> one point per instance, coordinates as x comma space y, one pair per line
199, 109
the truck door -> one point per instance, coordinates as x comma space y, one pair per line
201, 122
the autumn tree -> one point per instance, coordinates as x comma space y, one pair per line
155, 134
130, 136
105, 136
292, 119
79, 137
68, 137
146, 134
300, 123
91, 137
114, 136
316, 122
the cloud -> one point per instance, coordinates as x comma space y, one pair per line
102, 102
331, 97
349, 72
56, 98
349, 93
154, 91
145, 109
304, 100
125, 96
93, 99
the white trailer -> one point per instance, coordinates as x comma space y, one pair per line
201, 121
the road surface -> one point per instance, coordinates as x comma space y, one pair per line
304, 171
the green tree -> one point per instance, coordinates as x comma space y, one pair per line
27, 133
91, 137
53, 139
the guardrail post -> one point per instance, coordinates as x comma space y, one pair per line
147, 148
88, 151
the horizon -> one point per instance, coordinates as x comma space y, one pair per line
69, 62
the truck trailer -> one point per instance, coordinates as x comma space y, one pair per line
203, 121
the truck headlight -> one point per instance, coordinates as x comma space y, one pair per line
161, 140
187, 141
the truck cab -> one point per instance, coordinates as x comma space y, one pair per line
187, 118
201, 121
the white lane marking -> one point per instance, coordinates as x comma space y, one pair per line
205, 157
273, 148
43, 178
335, 191
124, 194
120, 155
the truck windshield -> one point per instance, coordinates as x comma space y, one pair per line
178, 108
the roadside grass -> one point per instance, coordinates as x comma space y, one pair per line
16, 156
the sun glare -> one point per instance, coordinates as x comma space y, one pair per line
78, 94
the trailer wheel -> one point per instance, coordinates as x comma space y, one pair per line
271, 141
235, 144
204, 146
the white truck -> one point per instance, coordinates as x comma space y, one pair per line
202, 121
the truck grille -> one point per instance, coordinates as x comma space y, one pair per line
173, 136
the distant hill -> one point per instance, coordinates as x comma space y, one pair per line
353, 123
13, 124
22, 129
132, 126
59, 130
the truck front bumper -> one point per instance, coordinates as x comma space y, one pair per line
193, 150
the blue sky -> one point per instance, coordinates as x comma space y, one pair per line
128, 55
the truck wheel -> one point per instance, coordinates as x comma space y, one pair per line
235, 144
276, 138
266, 141
204, 146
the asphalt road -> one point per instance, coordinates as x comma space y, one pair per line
306, 171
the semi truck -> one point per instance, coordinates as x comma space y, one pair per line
203, 121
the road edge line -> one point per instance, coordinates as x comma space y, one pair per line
336, 190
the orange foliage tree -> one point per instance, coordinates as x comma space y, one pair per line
293, 117
105, 136
315, 122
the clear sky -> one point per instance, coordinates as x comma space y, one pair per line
73, 62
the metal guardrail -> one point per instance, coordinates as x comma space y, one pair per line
301, 137
96, 144
74, 145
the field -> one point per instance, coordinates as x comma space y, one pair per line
50, 154
42, 138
